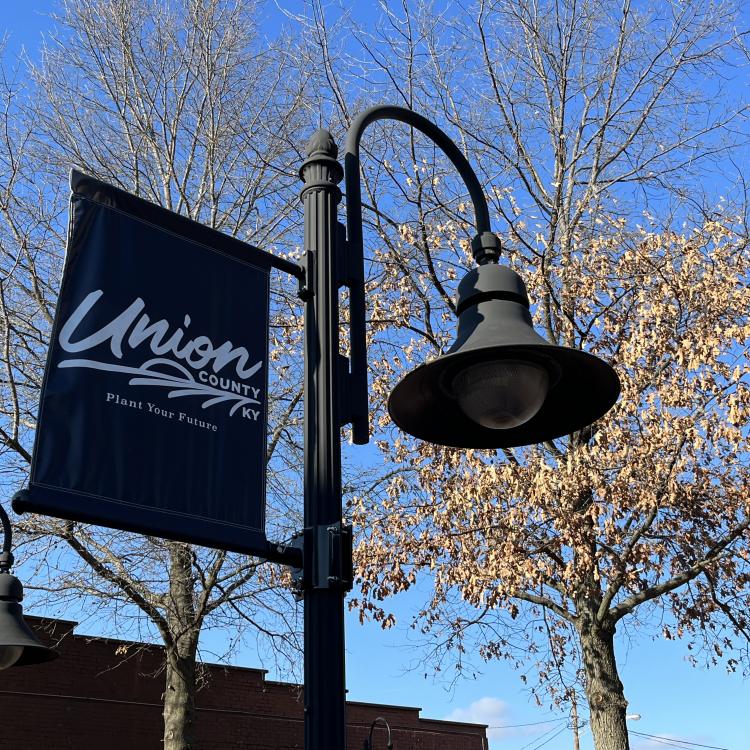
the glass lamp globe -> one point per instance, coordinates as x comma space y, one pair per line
9, 655
501, 394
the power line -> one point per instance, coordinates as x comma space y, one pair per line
529, 724
551, 738
667, 741
672, 741
544, 734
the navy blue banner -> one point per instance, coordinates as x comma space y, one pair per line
153, 410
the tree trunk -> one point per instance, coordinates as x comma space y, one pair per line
179, 695
604, 690
179, 701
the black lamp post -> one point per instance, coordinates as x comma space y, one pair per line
500, 385
18, 644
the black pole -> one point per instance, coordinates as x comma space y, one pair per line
326, 545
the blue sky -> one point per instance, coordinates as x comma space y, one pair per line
673, 699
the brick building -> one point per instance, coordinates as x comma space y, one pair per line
106, 693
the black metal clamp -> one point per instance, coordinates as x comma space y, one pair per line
326, 559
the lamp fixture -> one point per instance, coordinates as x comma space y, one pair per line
18, 644
501, 384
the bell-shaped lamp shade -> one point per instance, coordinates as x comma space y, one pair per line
18, 644
501, 393
501, 384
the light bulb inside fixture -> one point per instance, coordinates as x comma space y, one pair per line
9, 655
502, 393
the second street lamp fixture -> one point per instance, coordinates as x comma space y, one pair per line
18, 644
501, 384
367, 745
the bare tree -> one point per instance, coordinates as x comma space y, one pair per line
184, 105
595, 126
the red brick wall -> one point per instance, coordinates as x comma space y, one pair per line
106, 694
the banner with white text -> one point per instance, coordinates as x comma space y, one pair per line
153, 409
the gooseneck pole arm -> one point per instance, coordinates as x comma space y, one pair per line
368, 741
485, 245
486, 249
6, 556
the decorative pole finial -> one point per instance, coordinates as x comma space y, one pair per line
321, 169
321, 142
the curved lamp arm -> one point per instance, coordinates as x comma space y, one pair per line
368, 741
485, 245
483, 249
6, 556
